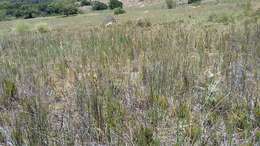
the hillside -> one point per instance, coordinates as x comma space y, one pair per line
153, 76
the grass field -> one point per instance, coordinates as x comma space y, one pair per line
184, 76
155, 13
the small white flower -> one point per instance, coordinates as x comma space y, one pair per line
210, 74
109, 24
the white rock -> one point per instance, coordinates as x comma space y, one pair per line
109, 24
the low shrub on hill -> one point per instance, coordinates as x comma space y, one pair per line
221, 18
96, 5
70, 10
193, 1
115, 4
22, 27
42, 28
2, 15
170, 4
143, 22
85, 3
118, 11
26, 10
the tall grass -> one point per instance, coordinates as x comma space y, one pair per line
173, 83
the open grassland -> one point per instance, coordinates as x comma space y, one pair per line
155, 13
192, 77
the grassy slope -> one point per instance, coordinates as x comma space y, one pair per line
156, 14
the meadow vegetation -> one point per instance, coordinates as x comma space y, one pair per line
187, 81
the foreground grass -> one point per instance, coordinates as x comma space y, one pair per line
173, 83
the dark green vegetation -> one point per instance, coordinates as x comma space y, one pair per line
11, 9
38, 8
170, 4
115, 4
193, 1
85, 3
34, 8
119, 10
185, 82
97, 5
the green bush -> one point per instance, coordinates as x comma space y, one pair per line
257, 135
53, 8
193, 1
22, 27
144, 137
96, 5
170, 4
118, 11
257, 13
183, 111
248, 7
115, 4
30, 9
257, 114
221, 18
9, 90
85, 3
2, 15
42, 28
70, 10
143, 22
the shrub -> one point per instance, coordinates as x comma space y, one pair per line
118, 11
115, 4
143, 22
22, 27
257, 114
70, 10
248, 7
194, 132
2, 15
42, 28
193, 1
221, 18
183, 111
28, 11
9, 90
169, 4
130, 22
54, 8
144, 137
96, 5
257, 135
85, 3
257, 13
